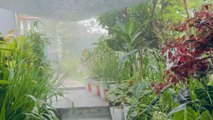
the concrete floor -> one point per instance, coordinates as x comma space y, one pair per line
88, 105
78, 98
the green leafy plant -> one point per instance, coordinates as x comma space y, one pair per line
102, 62
26, 75
120, 94
126, 39
177, 95
205, 95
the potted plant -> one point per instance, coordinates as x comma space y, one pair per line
117, 113
117, 97
115, 102
127, 99
88, 85
126, 108
98, 93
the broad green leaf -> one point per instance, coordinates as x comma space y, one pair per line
206, 116
205, 95
186, 114
177, 109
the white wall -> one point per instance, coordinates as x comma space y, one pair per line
7, 20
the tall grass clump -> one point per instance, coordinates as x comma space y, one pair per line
26, 79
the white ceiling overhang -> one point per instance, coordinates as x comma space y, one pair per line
66, 9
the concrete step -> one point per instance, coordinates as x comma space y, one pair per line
93, 113
79, 104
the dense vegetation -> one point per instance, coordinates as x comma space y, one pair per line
156, 60
26, 78
163, 51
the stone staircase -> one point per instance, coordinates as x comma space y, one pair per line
85, 113
79, 104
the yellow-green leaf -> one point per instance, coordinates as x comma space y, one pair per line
4, 82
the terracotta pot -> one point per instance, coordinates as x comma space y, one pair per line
98, 93
88, 85
116, 113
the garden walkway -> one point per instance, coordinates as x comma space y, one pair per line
79, 104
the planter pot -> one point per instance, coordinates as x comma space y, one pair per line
88, 85
116, 113
95, 87
103, 91
98, 93
126, 110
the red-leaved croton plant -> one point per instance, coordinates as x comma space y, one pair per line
190, 54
